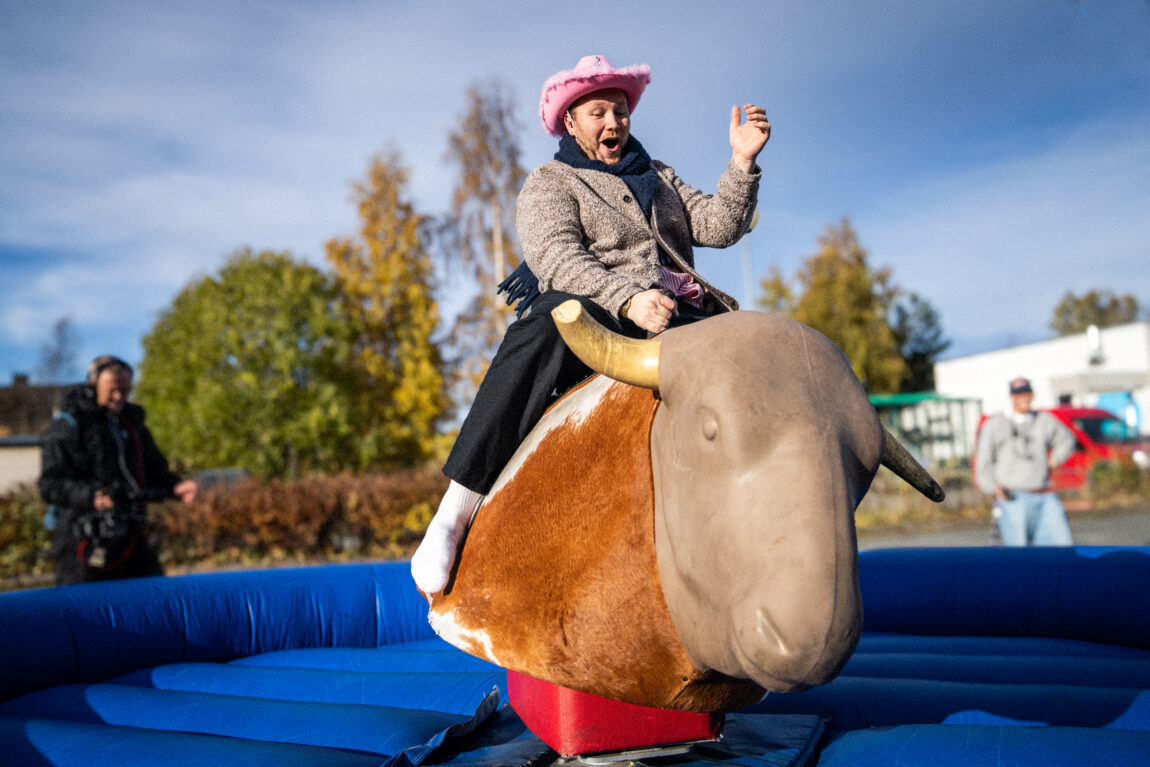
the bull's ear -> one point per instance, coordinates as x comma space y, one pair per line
896, 458
630, 360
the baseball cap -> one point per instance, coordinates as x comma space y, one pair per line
1020, 386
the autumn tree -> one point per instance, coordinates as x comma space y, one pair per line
1074, 314
479, 239
385, 279
248, 368
842, 297
776, 294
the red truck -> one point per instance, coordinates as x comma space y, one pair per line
1101, 437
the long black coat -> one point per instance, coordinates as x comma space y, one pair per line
80, 455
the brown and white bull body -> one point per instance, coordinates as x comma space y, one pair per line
687, 545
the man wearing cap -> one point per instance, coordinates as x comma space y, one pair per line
1015, 455
607, 225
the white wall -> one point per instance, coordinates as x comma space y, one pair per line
18, 464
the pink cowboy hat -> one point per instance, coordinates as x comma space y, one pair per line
592, 73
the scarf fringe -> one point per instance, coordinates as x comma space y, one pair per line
521, 285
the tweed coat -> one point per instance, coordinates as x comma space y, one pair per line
583, 231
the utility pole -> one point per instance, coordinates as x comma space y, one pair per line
748, 277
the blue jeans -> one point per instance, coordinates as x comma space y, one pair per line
1033, 519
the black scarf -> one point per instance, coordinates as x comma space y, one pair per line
634, 168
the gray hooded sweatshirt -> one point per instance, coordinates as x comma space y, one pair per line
1017, 453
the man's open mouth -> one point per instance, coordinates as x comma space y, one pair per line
611, 143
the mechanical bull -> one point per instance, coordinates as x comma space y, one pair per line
678, 531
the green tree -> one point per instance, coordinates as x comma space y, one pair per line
1074, 314
385, 278
248, 368
480, 237
920, 340
843, 298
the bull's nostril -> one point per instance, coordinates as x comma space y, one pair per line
766, 628
773, 657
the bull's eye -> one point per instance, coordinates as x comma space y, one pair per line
710, 427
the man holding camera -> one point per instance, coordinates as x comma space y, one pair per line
100, 467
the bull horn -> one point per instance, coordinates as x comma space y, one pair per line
896, 458
630, 360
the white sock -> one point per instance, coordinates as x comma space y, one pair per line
433, 560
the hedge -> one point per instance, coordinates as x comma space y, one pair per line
251, 522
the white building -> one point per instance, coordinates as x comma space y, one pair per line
1086, 370
19, 461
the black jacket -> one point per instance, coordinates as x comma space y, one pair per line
88, 448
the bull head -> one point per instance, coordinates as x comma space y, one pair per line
763, 447
689, 543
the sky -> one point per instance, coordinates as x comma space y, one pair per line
992, 155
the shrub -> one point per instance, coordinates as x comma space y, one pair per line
254, 523
1117, 482
319, 517
25, 546
890, 502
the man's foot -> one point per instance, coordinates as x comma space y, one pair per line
431, 565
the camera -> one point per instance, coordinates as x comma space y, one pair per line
108, 533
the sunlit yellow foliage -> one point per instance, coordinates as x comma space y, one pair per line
385, 279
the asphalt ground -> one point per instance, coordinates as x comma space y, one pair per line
1113, 527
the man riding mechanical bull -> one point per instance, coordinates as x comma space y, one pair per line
606, 225
707, 552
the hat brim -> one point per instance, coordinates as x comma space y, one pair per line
564, 88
